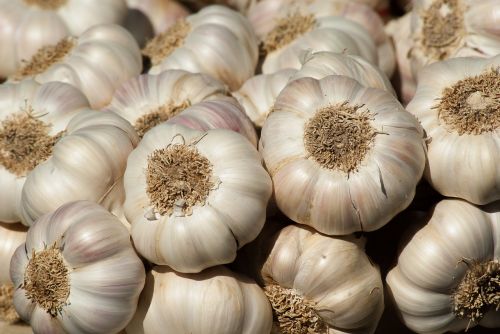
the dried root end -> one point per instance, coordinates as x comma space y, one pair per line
46, 280
294, 314
339, 136
443, 28
7, 311
46, 4
287, 30
162, 114
165, 43
472, 105
178, 177
478, 292
44, 58
25, 141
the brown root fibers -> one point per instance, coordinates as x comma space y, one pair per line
7, 311
287, 30
46, 4
165, 43
163, 113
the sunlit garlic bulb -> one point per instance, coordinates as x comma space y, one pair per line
443, 29
320, 284
458, 105
216, 40
216, 300
193, 197
77, 272
96, 62
343, 158
28, 25
448, 275
87, 163
33, 118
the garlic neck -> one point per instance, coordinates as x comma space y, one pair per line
162, 45
161, 114
46, 4
287, 30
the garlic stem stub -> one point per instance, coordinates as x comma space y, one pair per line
194, 197
448, 275
62, 273
343, 158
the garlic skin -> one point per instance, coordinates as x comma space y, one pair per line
257, 95
190, 236
161, 13
475, 33
12, 235
435, 261
50, 105
333, 274
219, 42
216, 300
99, 61
91, 243
460, 164
87, 163
334, 34
320, 185
26, 28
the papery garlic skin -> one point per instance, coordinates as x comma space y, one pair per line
11, 236
93, 244
101, 59
87, 163
231, 215
435, 261
334, 274
477, 35
213, 301
53, 104
26, 28
459, 165
230, 53
257, 95
161, 13
334, 201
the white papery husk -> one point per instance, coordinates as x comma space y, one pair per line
101, 59
93, 244
53, 104
464, 166
27, 28
333, 273
11, 236
220, 42
231, 216
161, 13
432, 265
216, 300
332, 201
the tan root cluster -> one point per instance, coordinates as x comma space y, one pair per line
287, 30
165, 43
161, 114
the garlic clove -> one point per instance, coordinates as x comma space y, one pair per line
42, 322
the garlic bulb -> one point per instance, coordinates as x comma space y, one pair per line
161, 13
96, 62
213, 301
447, 277
193, 198
343, 158
216, 40
321, 284
297, 33
28, 25
87, 163
257, 95
443, 29
33, 118
458, 105
77, 272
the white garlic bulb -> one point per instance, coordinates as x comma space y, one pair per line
87, 163
161, 13
443, 29
28, 25
213, 301
216, 40
193, 197
296, 33
458, 104
321, 284
447, 277
343, 157
33, 118
77, 272
257, 95
96, 62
